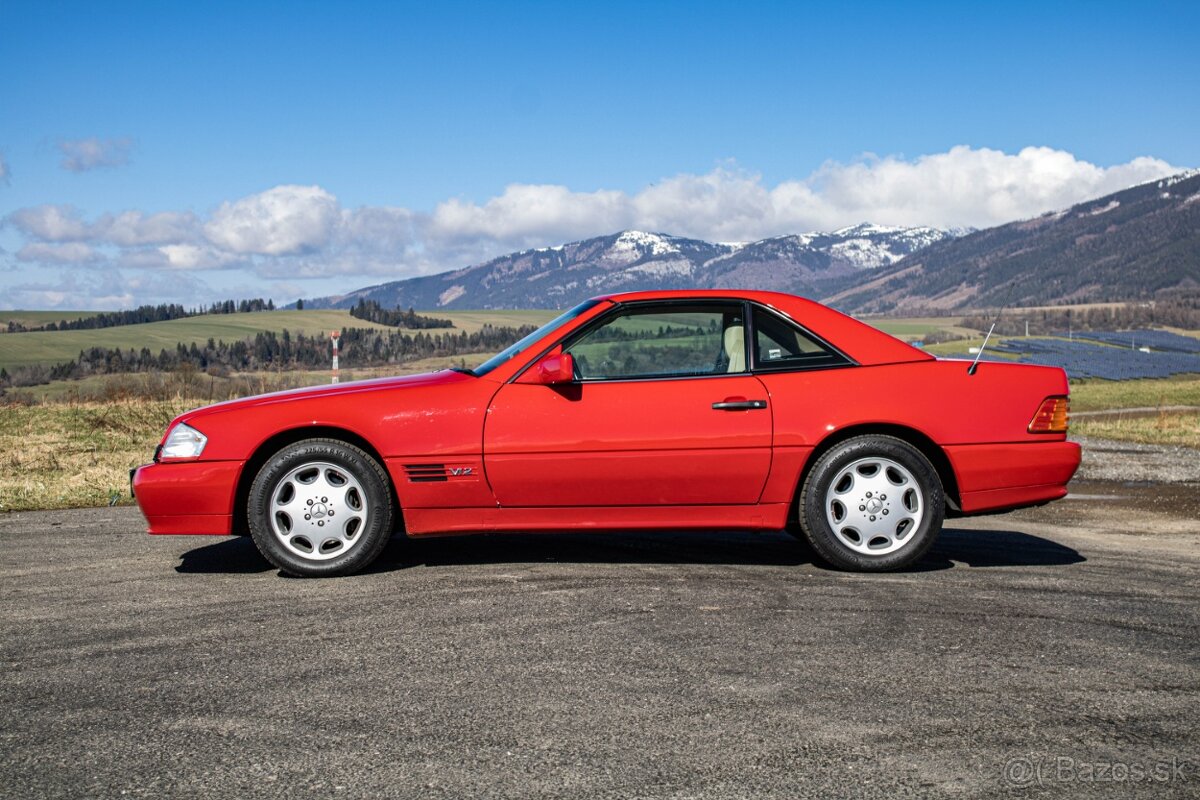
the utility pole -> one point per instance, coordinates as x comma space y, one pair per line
335, 335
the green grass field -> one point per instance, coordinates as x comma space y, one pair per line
917, 328
53, 347
32, 319
206, 388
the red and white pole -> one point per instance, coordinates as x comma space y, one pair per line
335, 335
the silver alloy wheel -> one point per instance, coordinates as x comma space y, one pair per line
318, 511
874, 506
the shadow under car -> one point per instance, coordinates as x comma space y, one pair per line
954, 547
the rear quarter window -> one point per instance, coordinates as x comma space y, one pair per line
781, 345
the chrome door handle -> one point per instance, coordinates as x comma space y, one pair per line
739, 405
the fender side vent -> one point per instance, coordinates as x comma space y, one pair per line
425, 473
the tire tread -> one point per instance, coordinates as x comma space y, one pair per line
824, 544
359, 558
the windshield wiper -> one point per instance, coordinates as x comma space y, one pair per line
463, 370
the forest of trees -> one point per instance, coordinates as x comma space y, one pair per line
142, 314
1180, 313
371, 311
359, 347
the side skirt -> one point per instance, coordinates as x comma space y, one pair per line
440, 521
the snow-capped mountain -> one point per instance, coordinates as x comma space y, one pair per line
1139, 243
813, 264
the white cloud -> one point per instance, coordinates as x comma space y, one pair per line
64, 223
87, 290
282, 221
191, 256
183, 257
295, 233
724, 205
131, 228
380, 230
962, 187
51, 223
82, 155
965, 186
531, 213
71, 291
65, 253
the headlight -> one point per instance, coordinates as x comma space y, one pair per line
183, 442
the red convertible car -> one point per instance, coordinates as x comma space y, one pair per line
650, 410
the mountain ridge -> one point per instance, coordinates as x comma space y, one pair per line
1139, 243
812, 263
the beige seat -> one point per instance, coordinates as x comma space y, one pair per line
735, 348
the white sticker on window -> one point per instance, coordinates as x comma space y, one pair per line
774, 352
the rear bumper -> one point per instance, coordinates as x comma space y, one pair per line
995, 477
191, 497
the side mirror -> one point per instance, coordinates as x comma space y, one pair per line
554, 368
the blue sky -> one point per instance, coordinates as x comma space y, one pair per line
167, 151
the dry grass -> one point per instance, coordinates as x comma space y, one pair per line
1165, 427
73, 455
70, 444
1098, 395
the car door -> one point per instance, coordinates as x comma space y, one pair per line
662, 412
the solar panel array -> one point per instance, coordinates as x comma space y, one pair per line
1085, 359
1155, 340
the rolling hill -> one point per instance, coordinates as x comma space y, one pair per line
54, 347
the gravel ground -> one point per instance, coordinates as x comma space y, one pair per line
1048, 652
1105, 460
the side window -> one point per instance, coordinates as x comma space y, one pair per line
663, 342
778, 344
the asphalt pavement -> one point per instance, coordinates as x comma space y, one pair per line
1049, 652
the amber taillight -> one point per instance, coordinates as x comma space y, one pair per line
1051, 417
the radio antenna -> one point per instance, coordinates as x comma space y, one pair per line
975, 364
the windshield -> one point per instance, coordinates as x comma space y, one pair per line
512, 350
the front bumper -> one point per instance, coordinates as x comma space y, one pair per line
193, 497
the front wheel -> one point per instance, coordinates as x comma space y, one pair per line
872, 504
320, 507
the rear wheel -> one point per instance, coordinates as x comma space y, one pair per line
320, 507
872, 504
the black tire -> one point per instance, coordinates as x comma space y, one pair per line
842, 551
374, 512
